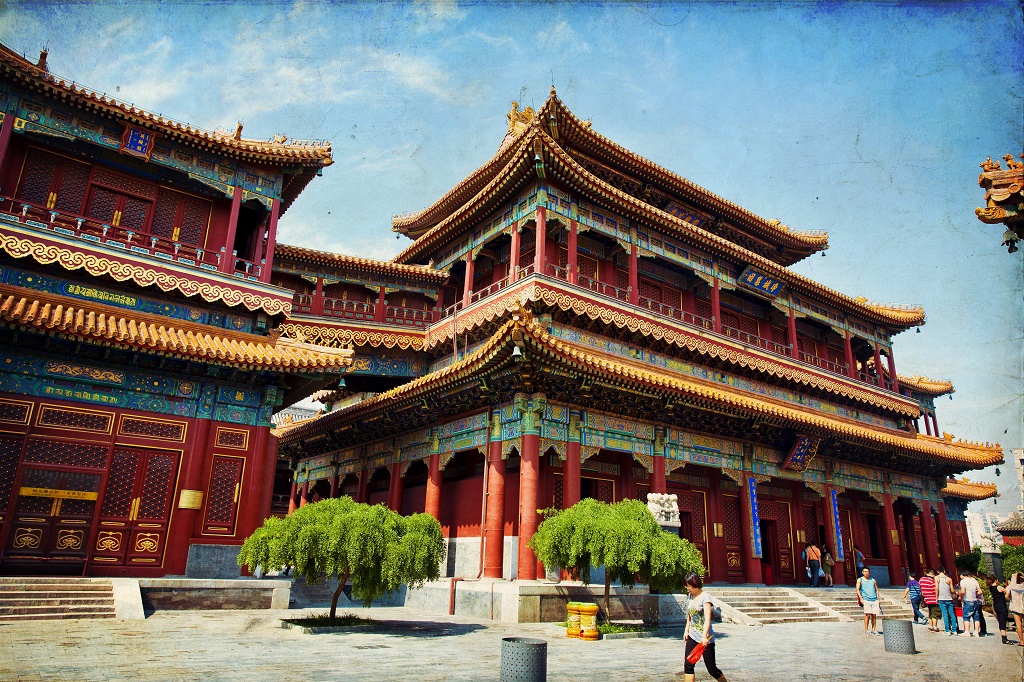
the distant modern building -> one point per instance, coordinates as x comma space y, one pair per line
980, 524
1018, 464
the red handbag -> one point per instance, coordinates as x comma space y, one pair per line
697, 652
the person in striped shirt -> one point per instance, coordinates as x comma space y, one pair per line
929, 595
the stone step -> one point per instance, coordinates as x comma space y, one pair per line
13, 618
67, 594
59, 609
807, 608
43, 587
53, 600
825, 618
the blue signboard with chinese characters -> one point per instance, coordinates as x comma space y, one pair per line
837, 527
137, 142
760, 282
755, 518
802, 454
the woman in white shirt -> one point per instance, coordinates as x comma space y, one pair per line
698, 629
1016, 591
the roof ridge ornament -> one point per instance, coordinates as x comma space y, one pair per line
519, 120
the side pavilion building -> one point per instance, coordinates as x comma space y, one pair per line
606, 328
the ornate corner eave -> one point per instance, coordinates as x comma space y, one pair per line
48, 249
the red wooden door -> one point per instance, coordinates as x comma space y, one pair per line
222, 501
136, 506
53, 181
53, 515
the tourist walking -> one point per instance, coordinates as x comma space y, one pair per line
867, 593
1016, 590
912, 595
858, 559
999, 605
944, 592
969, 593
698, 629
930, 598
828, 562
814, 562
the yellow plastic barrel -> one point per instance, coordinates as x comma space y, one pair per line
588, 621
572, 620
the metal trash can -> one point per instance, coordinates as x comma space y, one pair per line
524, 659
899, 636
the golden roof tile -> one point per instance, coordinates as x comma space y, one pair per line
54, 313
521, 330
299, 253
966, 489
277, 150
933, 387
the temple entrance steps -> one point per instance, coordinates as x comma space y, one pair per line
843, 599
24, 599
771, 605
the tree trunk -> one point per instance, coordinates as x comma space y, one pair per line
337, 595
607, 590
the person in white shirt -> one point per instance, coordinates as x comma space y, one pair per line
969, 592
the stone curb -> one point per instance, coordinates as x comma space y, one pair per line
327, 629
629, 635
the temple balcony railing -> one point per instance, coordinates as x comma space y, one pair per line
131, 240
412, 317
620, 296
349, 310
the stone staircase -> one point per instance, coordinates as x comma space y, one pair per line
844, 600
769, 605
24, 599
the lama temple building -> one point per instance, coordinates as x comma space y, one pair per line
570, 321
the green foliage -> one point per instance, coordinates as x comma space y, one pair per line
624, 538
1013, 559
315, 620
969, 561
378, 549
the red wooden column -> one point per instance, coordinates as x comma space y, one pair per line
927, 423
380, 310
187, 523
540, 248
227, 261
432, 504
878, 366
5, 142
658, 482
913, 551
571, 470
317, 306
275, 210
494, 520
892, 542
572, 255
363, 492
892, 372
851, 369
935, 427
751, 562
396, 489
794, 345
467, 287
945, 541
529, 481
832, 537
931, 550
304, 496
634, 276
269, 472
334, 486
513, 255
292, 506
716, 308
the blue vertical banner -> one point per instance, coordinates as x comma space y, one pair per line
833, 499
755, 518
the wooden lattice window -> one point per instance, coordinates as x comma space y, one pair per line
82, 420
54, 181
46, 451
731, 506
10, 449
222, 499
157, 486
117, 499
12, 412
780, 336
650, 291
150, 428
704, 308
810, 526
180, 217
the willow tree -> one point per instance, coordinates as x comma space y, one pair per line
374, 547
623, 537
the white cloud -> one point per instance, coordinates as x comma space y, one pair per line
562, 37
432, 15
413, 72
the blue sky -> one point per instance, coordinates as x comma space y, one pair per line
866, 120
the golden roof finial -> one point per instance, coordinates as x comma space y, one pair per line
238, 130
1013, 164
518, 120
988, 165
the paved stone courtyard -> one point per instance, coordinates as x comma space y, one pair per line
248, 645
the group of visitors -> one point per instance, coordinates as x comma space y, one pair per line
938, 593
819, 563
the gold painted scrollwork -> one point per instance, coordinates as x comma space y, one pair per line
108, 541
70, 539
147, 542
27, 538
733, 559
